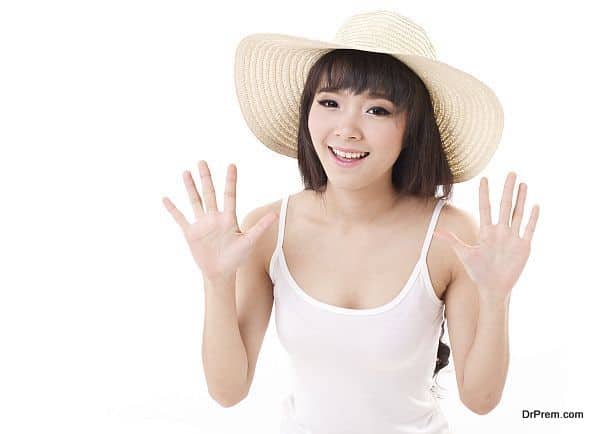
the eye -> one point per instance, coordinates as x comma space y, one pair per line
324, 102
384, 112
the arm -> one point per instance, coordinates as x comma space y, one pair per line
236, 285
237, 315
223, 352
486, 365
478, 330
488, 264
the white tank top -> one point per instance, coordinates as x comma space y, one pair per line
360, 370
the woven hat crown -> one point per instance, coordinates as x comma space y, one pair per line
386, 32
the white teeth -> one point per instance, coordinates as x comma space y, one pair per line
349, 154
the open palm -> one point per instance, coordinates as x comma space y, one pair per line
496, 263
215, 240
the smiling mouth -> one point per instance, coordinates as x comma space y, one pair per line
349, 159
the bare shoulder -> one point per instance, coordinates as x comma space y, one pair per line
266, 243
461, 223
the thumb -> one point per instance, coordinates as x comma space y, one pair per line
259, 228
449, 237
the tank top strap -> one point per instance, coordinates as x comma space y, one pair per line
280, 231
431, 228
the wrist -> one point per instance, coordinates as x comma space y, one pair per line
220, 279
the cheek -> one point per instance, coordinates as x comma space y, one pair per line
316, 125
391, 135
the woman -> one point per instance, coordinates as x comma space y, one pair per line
373, 259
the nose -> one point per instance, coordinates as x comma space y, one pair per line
348, 127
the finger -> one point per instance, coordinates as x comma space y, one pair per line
535, 213
195, 199
259, 228
208, 189
177, 215
230, 182
517, 216
485, 214
506, 202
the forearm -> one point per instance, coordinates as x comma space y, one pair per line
486, 364
223, 352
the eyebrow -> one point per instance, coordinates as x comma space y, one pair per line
371, 94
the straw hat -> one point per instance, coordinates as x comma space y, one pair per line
271, 69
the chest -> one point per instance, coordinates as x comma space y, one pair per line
360, 271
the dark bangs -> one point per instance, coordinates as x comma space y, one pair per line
377, 74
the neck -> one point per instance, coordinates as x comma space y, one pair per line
359, 208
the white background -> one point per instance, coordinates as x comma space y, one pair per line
103, 105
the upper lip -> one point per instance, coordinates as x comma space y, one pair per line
339, 148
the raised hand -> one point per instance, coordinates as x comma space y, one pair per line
496, 263
215, 240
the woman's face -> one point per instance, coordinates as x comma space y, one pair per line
360, 123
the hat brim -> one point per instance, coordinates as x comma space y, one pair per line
271, 69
